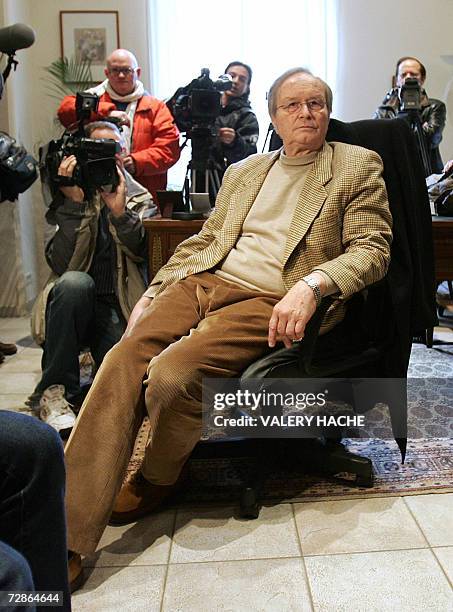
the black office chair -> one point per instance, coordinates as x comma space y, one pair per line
376, 336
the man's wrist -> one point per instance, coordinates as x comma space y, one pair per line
313, 282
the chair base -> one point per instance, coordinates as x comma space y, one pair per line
327, 458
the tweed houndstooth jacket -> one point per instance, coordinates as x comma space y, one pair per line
341, 224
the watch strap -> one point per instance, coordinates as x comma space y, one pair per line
314, 286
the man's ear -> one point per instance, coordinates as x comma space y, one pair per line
106, 72
273, 125
139, 71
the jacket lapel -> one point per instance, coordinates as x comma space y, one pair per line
310, 201
243, 198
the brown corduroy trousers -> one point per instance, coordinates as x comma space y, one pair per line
198, 327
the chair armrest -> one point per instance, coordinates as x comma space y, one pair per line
308, 344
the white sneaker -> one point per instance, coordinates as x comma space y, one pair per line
55, 410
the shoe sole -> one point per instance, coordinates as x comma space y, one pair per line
124, 518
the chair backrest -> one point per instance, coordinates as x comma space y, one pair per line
410, 277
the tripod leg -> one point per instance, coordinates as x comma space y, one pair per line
213, 185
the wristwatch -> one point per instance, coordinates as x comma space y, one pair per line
314, 286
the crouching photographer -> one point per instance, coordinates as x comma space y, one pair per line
426, 116
97, 257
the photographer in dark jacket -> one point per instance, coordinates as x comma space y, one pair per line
432, 113
96, 257
237, 124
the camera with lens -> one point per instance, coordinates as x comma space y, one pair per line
196, 106
410, 95
96, 164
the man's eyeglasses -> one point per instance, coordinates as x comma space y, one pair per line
313, 106
118, 71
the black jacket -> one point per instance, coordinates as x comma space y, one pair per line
237, 114
432, 117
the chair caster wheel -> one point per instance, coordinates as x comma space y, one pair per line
249, 506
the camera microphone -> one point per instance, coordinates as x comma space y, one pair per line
14, 37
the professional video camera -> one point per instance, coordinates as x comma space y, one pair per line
195, 108
410, 95
96, 163
197, 105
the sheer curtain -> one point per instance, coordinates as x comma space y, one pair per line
270, 36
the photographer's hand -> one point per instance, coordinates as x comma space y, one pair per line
66, 168
227, 135
122, 116
129, 164
116, 201
448, 166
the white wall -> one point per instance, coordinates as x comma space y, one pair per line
374, 34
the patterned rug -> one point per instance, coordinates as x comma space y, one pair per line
428, 466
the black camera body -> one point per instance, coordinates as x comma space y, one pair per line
410, 95
96, 164
197, 105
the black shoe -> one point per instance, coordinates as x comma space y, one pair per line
8, 349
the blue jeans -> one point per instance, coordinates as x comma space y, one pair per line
32, 487
76, 318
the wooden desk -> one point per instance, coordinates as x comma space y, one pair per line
443, 247
164, 235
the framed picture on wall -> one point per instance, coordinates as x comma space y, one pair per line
89, 35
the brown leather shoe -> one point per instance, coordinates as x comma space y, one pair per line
138, 497
8, 349
75, 571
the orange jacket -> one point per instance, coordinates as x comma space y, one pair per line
155, 138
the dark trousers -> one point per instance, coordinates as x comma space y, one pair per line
32, 487
15, 576
76, 318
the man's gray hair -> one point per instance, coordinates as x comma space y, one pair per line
101, 125
273, 91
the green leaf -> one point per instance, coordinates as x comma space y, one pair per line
68, 76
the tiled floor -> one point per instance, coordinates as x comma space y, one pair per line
392, 553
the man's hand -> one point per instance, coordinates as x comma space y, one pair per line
129, 164
137, 311
291, 314
116, 201
66, 168
448, 166
227, 135
122, 116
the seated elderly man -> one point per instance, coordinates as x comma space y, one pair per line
289, 227
97, 257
